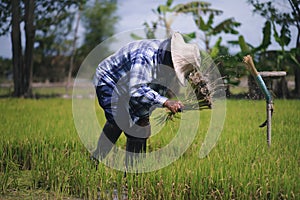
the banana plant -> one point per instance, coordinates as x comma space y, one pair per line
167, 12
209, 29
267, 60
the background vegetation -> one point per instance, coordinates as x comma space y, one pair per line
51, 51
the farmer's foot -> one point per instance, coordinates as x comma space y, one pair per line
94, 159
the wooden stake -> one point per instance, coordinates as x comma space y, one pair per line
250, 65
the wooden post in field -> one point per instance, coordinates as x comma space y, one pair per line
251, 67
271, 75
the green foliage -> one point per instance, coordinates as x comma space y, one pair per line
285, 36
163, 9
270, 12
199, 9
266, 37
196, 8
227, 26
285, 19
42, 157
293, 53
276, 17
99, 22
136, 37
208, 27
243, 45
189, 36
53, 23
216, 48
50, 25
5, 68
169, 2
5, 16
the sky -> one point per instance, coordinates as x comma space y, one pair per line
133, 13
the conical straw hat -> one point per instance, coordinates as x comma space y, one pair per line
185, 57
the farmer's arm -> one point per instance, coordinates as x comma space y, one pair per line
145, 95
140, 77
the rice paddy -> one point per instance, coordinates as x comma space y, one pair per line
42, 157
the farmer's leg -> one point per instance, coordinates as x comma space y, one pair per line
137, 140
111, 132
107, 139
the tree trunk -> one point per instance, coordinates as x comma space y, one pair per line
297, 68
17, 57
297, 81
281, 88
29, 35
73, 53
295, 6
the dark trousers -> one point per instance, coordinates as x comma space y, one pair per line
136, 141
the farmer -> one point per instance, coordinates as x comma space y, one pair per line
126, 89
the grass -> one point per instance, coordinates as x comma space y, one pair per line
42, 157
42, 90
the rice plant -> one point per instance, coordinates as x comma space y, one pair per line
42, 157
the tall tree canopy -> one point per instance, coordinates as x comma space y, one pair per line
39, 17
99, 21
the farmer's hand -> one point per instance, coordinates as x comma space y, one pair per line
173, 106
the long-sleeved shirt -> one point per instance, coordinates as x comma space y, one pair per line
131, 71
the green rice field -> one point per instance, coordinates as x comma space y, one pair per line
42, 157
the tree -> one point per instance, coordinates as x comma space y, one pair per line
17, 56
39, 16
285, 20
166, 21
29, 37
199, 10
71, 68
208, 28
5, 69
99, 22
246, 48
267, 60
